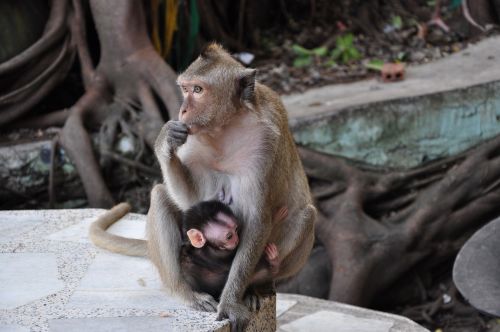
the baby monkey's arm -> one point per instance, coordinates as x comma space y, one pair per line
268, 266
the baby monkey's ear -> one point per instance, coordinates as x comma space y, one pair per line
196, 238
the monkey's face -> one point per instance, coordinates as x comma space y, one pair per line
222, 232
215, 87
194, 111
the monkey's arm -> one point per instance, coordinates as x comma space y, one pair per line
175, 174
164, 244
268, 266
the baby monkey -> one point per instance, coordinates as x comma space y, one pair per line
209, 241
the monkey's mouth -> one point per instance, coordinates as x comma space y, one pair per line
193, 129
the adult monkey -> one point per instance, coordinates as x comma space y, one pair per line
233, 137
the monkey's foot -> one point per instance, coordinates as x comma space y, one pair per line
203, 302
252, 301
256, 293
237, 313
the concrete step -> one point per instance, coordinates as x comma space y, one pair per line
53, 279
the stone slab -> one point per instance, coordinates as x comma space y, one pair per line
283, 306
128, 324
118, 281
311, 314
133, 227
27, 277
326, 321
13, 328
12, 225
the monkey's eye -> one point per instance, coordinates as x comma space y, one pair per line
184, 89
197, 89
229, 236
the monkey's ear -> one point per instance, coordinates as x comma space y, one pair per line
210, 50
196, 238
247, 85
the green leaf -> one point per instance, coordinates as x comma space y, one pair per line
397, 22
336, 53
375, 64
299, 50
348, 39
340, 42
302, 62
345, 50
354, 54
331, 63
320, 51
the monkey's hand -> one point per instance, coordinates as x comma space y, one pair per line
203, 302
238, 315
272, 257
174, 133
177, 133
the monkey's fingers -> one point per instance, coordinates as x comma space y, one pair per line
179, 126
238, 315
204, 302
271, 251
281, 214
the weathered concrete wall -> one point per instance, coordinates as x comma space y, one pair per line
440, 109
407, 131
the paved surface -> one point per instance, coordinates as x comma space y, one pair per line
52, 278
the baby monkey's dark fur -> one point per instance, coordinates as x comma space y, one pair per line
206, 269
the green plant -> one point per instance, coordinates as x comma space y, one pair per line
305, 56
397, 22
345, 51
375, 64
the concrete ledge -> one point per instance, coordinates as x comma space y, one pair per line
301, 313
440, 109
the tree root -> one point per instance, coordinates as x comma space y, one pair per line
36, 71
119, 92
378, 224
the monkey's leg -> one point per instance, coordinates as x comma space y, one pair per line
302, 239
296, 242
252, 243
164, 244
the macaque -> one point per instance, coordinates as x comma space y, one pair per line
232, 135
210, 238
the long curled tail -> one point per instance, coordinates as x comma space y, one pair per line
115, 243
